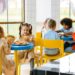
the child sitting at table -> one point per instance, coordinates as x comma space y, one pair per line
67, 27
25, 32
67, 30
10, 40
8, 66
51, 35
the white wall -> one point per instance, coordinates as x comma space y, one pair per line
37, 11
55, 11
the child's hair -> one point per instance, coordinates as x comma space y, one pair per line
46, 21
51, 23
67, 21
1, 32
25, 24
30, 26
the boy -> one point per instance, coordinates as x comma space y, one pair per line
51, 35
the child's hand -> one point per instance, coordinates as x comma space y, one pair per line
17, 42
61, 34
21, 42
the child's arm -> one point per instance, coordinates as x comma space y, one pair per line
6, 47
58, 31
61, 30
67, 34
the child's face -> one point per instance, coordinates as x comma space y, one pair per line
65, 26
24, 31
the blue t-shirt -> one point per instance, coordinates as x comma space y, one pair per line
51, 35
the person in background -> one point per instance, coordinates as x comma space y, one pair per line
25, 32
10, 39
51, 34
67, 31
8, 66
67, 27
45, 27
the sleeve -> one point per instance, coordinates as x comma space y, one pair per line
71, 30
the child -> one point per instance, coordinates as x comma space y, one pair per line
7, 65
10, 40
67, 27
25, 32
67, 30
51, 35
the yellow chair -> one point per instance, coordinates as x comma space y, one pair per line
37, 54
52, 44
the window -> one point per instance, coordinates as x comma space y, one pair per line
64, 8
12, 11
67, 9
11, 16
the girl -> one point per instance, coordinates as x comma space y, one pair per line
7, 65
25, 32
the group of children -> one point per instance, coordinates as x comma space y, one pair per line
49, 32
25, 32
25, 36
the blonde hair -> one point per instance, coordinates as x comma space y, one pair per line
51, 23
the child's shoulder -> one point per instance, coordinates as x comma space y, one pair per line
3, 40
51, 32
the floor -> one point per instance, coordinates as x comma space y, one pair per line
66, 64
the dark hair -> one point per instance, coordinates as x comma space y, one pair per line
25, 24
67, 21
1, 32
30, 26
51, 23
